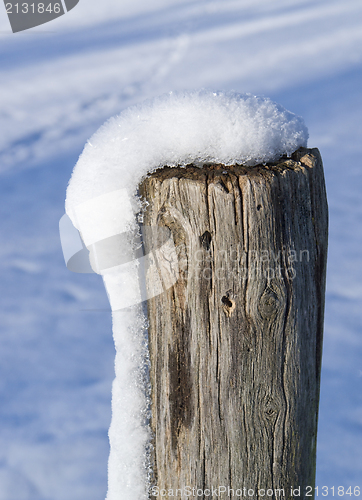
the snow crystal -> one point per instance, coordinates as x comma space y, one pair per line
175, 130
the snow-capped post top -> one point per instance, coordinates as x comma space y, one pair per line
180, 128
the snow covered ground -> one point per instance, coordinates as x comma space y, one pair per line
58, 83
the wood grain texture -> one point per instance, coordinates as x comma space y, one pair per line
235, 344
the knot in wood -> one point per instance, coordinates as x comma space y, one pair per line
271, 409
269, 303
205, 240
228, 305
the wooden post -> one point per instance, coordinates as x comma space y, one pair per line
235, 344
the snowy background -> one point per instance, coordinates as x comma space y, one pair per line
58, 84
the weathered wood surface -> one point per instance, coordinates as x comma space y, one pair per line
236, 343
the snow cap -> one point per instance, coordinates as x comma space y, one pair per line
180, 128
